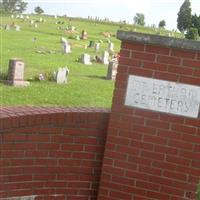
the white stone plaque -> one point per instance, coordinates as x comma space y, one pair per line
163, 96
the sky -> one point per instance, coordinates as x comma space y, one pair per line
116, 10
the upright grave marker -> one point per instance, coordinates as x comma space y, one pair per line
112, 70
16, 73
105, 58
110, 47
85, 59
62, 75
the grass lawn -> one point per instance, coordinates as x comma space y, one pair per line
87, 84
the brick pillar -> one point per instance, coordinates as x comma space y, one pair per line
153, 144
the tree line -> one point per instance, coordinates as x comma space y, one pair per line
16, 6
187, 23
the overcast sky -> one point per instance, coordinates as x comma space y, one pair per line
116, 10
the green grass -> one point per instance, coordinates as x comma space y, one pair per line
87, 85
198, 192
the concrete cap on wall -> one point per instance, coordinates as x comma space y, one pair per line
158, 40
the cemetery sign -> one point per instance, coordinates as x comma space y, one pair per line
163, 96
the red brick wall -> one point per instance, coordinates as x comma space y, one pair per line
151, 155
52, 153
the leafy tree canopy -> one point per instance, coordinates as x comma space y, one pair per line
139, 19
13, 6
184, 19
38, 10
162, 24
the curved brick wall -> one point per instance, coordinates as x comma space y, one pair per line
51, 153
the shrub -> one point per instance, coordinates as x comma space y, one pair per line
192, 34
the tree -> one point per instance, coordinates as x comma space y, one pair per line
21, 6
162, 24
13, 6
38, 10
196, 22
139, 19
184, 19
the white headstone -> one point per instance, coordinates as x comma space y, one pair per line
110, 47
85, 59
41, 19
62, 75
97, 47
27, 17
12, 16
73, 28
35, 25
63, 40
7, 27
17, 28
66, 47
32, 22
21, 17
55, 16
105, 58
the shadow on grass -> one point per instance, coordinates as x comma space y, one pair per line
97, 77
3, 76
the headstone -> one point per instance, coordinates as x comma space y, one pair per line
7, 27
84, 35
91, 44
27, 17
41, 19
111, 47
35, 25
97, 47
16, 73
55, 16
112, 70
21, 17
32, 22
98, 59
105, 58
41, 77
73, 28
62, 75
66, 47
85, 59
12, 16
62, 39
17, 28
